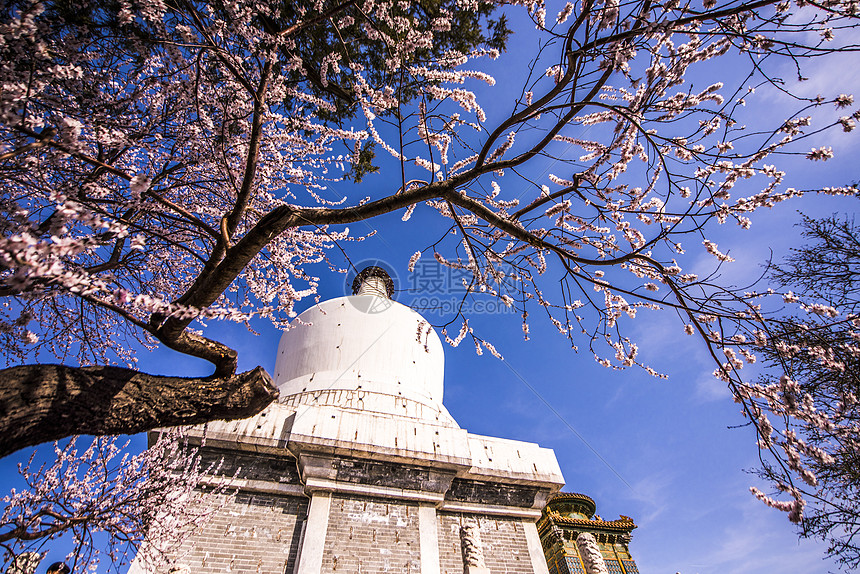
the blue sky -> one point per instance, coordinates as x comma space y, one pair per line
657, 450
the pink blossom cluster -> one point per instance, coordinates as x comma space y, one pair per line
102, 489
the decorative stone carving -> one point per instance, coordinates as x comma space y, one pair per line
473, 549
590, 553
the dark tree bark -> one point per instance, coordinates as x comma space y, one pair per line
40, 403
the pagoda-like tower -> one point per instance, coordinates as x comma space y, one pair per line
574, 539
360, 468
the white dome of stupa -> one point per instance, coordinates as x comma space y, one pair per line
367, 346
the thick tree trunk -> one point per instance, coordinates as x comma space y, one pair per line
40, 403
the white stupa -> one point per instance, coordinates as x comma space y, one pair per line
360, 468
366, 347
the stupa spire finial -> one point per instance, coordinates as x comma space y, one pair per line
374, 281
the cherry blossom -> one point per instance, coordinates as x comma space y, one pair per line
164, 166
99, 490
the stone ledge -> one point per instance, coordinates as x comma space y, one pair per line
249, 485
315, 485
488, 510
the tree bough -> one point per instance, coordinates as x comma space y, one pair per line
42, 403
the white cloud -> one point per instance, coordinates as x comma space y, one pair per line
709, 389
725, 530
757, 543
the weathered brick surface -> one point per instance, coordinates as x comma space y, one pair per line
480, 492
253, 534
503, 540
371, 535
390, 474
255, 466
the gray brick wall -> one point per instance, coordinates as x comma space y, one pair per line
450, 549
371, 535
253, 534
503, 539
